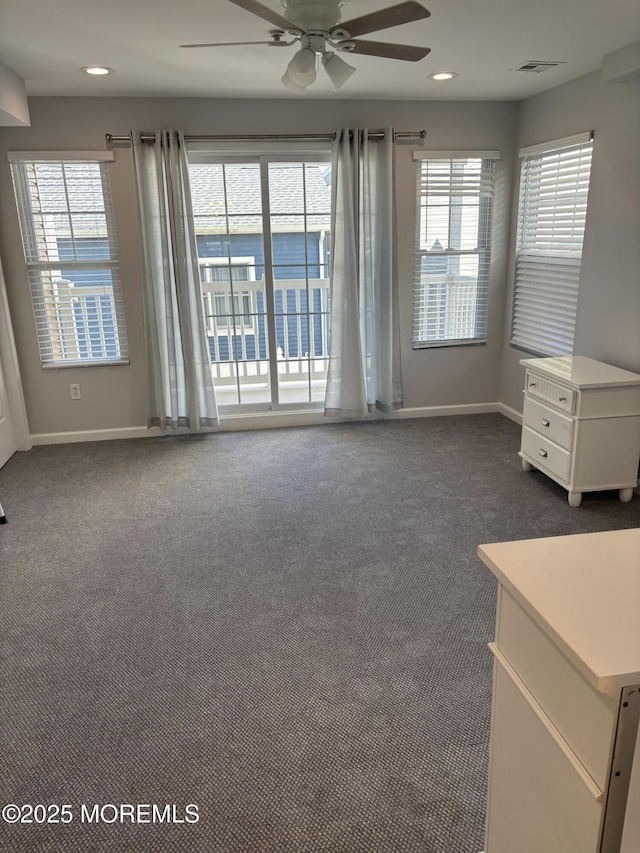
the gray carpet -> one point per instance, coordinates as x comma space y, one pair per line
287, 628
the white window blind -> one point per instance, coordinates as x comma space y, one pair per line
552, 210
453, 247
66, 219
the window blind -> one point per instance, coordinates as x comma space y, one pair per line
552, 210
68, 234
453, 247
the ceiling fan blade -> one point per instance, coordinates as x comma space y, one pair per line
390, 51
403, 13
225, 43
264, 12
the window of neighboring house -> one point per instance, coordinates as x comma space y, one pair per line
552, 211
66, 219
220, 305
262, 224
453, 247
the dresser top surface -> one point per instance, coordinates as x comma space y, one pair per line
578, 371
584, 593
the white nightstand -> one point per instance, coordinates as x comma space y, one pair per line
581, 424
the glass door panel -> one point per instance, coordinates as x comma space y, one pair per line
300, 207
236, 321
227, 205
264, 277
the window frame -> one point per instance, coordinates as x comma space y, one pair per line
559, 298
482, 250
47, 316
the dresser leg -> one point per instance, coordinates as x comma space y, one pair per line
625, 495
575, 498
526, 466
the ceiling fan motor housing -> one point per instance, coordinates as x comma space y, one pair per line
313, 14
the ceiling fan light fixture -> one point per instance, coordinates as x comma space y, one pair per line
337, 69
291, 84
302, 68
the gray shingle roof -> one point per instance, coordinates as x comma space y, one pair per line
239, 184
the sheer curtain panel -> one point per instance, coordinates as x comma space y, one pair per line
364, 354
181, 391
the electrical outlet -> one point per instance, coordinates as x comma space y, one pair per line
75, 392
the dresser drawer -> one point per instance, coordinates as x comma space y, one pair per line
557, 395
539, 800
545, 454
585, 718
549, 423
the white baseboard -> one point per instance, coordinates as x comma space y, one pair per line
443, 411
93, 435
510, 413
252, 420
270, 420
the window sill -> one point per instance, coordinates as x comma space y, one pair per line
439, 344
57, 365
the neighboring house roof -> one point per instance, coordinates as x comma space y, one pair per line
240, 185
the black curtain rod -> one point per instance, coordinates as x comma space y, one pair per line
373, 134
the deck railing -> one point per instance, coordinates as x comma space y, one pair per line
81, 320
238, 336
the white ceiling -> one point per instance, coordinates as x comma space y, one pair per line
47, 41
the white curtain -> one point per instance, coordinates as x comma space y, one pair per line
181, 391
364, 352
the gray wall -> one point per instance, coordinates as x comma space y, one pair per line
608, 319
115, 397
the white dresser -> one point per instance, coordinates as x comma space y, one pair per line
566, 693
581, 424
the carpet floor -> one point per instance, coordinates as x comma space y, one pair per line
286, 629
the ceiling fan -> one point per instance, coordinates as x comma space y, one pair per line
314, 25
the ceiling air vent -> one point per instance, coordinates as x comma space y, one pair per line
537, 66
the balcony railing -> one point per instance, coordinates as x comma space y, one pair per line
80, 322
236, 323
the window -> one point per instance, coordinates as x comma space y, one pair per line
220, 305
262, 225
66, 219
552, 210
453, 247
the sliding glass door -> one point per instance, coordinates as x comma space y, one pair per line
262, 228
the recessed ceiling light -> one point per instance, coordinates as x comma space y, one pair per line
443, 75
97, 70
